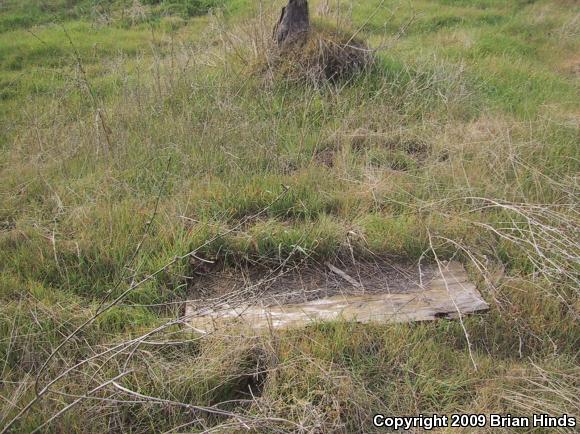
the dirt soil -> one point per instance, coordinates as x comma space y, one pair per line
299, 284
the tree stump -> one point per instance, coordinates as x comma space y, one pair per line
294, 23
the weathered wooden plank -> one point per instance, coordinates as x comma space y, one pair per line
447, 295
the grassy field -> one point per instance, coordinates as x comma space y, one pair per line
132, 133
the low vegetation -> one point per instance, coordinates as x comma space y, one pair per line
139, 139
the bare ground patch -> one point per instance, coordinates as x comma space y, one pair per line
303, 284
361, 292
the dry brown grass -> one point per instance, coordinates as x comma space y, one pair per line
497, 192
326, 55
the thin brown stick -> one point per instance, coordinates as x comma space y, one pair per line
81, 398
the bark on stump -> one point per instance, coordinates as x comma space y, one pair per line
294, 23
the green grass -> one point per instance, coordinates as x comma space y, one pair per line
148, 130
23, 14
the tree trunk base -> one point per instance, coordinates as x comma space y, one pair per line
294, 23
